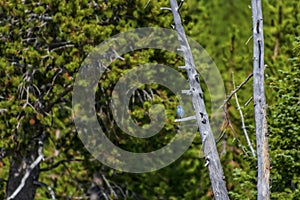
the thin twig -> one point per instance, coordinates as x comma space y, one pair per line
55, 165
237, 89
118, 56
165, 8
230, 124
242, 118
248, 101
62, 47
66, 91
186, 119
231, 127
147, 4
48, 187
112, 192
248, 39
180, 4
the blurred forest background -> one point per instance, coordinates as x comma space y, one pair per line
42, 44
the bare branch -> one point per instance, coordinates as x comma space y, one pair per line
180, 4
248, 101
243, 120
63, 47
237, 89
48, 187
164, 8
186, 119
118, 56
249, 39
229, 123
147, 4
59, 163
66, 91
112, 192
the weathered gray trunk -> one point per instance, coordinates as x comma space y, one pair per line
263, 163
209, 145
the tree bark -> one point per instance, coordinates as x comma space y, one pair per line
20, 162
209, 146
263, 162
24, 169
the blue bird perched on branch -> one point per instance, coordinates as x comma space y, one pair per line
180, 111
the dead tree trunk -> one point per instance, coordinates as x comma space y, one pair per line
209, 146
260, 106
24, 169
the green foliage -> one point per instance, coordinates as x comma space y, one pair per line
284, 129
42, 44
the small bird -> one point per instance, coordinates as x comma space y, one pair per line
180, 111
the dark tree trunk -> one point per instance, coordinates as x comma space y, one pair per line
24, 168
21, 160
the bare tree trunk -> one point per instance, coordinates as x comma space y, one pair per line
24, 169
209, 146
19, 164
263, 162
